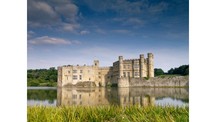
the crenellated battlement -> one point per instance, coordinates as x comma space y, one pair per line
67, 66
110, 67
77, 65
130, 59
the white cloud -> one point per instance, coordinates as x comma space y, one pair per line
52, 41
69, 27
44, 7
69, 11
84, 32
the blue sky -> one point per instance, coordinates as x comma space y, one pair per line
62, 32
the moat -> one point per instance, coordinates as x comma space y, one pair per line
52, 96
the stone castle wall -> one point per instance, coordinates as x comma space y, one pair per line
124, 82
167, 81
101, 76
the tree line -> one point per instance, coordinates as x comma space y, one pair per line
48, 77
181, 70
42, 77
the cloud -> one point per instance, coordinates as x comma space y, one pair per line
130, 13
68, 11
135, 21
62, 15
51, 40
130, 8
41, 14
69, 27
30, 34
119, 6
84, 32
158, 8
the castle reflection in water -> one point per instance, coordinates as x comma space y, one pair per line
117, 96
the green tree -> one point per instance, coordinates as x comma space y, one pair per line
181, 70
170, 71
158, 71
186, 72
42, 77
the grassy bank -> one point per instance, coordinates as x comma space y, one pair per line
107, 113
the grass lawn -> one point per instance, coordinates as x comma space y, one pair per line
107, 114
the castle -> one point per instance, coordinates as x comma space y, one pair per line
101, 76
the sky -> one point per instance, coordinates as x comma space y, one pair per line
71, 32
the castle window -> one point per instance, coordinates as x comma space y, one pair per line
80, 77
136, 74
128, 74
124, 74
74, 77
74, 71
68, 72
124, 66
74, 96
99, 76
136, 66
81, 71
128, 66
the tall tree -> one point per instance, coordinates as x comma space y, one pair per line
158, 71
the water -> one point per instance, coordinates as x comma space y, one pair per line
52, 96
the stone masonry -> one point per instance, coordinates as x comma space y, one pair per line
101, 76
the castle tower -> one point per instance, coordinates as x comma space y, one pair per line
96, 63
120, 66
96, 67
59, 77
142, 67
150, 65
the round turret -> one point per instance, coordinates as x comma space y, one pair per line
142, 67
150, 65
120, 66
